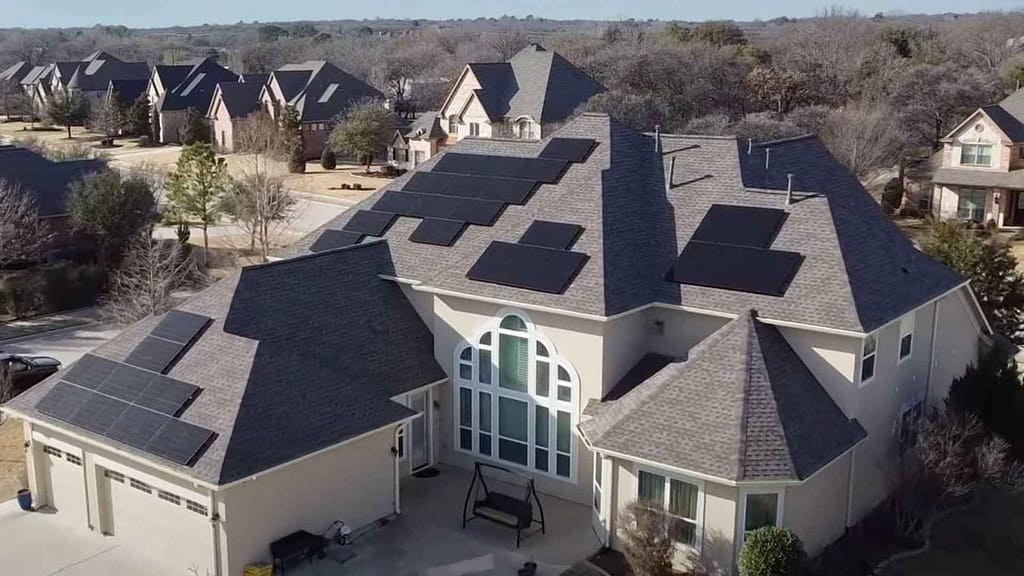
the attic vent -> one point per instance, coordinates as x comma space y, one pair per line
331, 89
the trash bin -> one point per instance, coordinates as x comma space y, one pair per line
25, 499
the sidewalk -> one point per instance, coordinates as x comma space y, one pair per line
48, 323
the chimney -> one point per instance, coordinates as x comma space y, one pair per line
767, 158
671, 174
750, 145
789, 189
657, 138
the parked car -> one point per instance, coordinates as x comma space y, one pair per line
25, 371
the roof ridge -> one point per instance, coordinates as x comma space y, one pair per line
313, 255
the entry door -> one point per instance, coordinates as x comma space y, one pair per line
1018, 209
419, 441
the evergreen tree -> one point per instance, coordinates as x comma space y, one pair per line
195, 130
196, 187
137, 118
291, 124
66, 109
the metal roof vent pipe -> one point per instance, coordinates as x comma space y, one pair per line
767, 158
671, 174
789, 189
750, 146
657, 138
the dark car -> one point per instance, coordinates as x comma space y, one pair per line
25, 371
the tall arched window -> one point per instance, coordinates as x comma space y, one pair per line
516, 399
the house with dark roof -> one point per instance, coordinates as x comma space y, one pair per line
978, 175
319, 91
733, 330
36, 85
412, 144
11, 92
194, 90
92, 76
232, 103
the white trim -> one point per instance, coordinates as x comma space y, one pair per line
56, 443
984, 325
400, 397
699, 514
906, 321
741, 514
861, 357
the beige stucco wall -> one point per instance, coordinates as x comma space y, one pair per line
957, 343
427, 147
354, 483
681, 330
832, 358
987, 134
816, 509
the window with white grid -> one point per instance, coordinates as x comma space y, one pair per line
73, 459
141, 486
53, 451
114, 476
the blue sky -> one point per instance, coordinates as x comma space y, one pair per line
148, 13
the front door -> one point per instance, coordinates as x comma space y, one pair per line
419, 431
1017, 219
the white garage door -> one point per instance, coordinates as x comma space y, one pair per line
172, 527
65, 484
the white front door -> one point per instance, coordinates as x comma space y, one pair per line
419, 431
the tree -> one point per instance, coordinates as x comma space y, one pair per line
328, 160
508, 43
67, 109
771, 551
929, 97
23, 236
291, 125
992, 391
260, 135
777, 89
196, 128
196, 187
364, 130
637, 112
864, 136
271, 33
645, 539
260, 205
992, 270
149, 275
720, 33
109, 119
137, 117
112, 209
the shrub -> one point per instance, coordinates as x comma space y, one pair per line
357, 186
51, 288
771, 551
328, 160
345, 186
145, 141
892, 196
645, 540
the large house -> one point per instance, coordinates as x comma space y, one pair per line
978, 175
234, 102
413, 144
319, 91
176, 91
736, 331
92, 76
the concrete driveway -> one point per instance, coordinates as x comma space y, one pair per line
41, 544
66, 345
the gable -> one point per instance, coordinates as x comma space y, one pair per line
978, 127
461, 93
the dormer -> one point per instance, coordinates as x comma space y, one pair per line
990, 139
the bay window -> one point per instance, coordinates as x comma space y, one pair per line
681, 500
516, 399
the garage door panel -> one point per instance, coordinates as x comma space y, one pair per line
65, 484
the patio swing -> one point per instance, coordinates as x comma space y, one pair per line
499, 507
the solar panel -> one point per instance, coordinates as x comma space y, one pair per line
438, 232
331, 239
509, 190
369, 222
154, 354
740, 225
557, 235
178, 441
126, 382
136, 426
180, 326
738, 268
166, 395
63, 400
98, 413
90, 371
471, 210
529, 267
571, 149
539, 169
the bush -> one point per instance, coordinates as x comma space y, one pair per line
892, 196
357, 186
51, 288
345, 186
145, 141
771, 551
328, 160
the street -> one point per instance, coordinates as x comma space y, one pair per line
66, 345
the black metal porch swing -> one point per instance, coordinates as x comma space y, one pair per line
502, 508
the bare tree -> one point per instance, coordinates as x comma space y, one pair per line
260, 205
260, 135
864, 136
149, 275
23, 236
508, 42
645, 539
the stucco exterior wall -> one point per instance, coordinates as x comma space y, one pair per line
680, 330
224, 131
816, 510
354, 483
625, 341
980, 131
832, 358
957, 343
459, 97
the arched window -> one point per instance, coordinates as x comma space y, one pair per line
515, 399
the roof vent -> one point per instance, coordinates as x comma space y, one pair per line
789, 189
671, 174
767, 160
657, 138
750, 145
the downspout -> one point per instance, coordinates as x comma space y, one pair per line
394, 455
215, 530
931, 354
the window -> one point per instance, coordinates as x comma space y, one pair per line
114, 476
77, 461
867, 362
924, 198
680, 499
453, 124
196, 507
140, 486
1020, 152
971, 205
976, 154
515, 399
598, 487
907, 425
525, 129
906, 336
168, 497
419, 157
760, 510
52, 451
474, 129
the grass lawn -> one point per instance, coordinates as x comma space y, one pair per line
985, 539
12, 459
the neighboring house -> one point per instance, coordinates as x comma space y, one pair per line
980, 173
47, 184
232, 103
194, 90
418, 328
15, 72
527, 97
92, 77
127, 92
414, 144
36, 85
10, 85
319, 91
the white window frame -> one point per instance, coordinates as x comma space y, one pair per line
599, 482
741, 525
474, 128
530, 397
698, 520
976, 147
862, 357
906, 329
916, 410
973, 215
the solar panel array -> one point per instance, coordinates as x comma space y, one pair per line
536, 169
167, 341
731, 250
369, 222
332, 239
508, 190
569, 149
529, 267
129, 405
557, 235
437, 232
471, 210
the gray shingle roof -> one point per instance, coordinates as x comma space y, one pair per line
95, 73
301, 355
1010, 125
319, 90
240, 98
15, 73
979, 177
46, 182
859, 271
128, 91
196, 89
742, 407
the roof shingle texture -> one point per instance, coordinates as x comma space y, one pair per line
308, 87
46, 182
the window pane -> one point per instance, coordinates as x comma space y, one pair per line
485, 412
513, 362
466, 354
485, 444
540, 425
598, 469
485, 340
465, 371
869, 344
540, 459
485, 366
466, 439
682, 499
650, 487
563, 375
514, 323
564, 432
465, 407
683, 532
906, 344
565, 393
512, 451
512, 418
761, 511
867, 368
542, 350
543, 379
562, 465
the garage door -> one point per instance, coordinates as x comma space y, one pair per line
65, 484
174, 528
